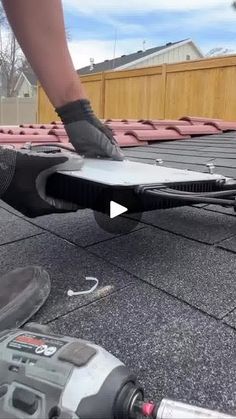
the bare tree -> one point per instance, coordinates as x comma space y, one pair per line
10, 63
9, 51
2, 14
12, 59
2, 23
11, 56
219, 51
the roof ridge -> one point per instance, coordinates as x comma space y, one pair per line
126, 58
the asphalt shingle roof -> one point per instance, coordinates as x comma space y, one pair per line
108, 65
166, 301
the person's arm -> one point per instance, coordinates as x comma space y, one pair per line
40, 31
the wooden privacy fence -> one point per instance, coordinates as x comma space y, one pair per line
202, 87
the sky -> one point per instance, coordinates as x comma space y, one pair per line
102, 29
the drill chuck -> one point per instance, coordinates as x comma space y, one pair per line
129, 397
175, 410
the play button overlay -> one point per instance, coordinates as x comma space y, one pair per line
116, 209
116, 221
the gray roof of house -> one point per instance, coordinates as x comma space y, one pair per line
124, 59
166, 302
31, 77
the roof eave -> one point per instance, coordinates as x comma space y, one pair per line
171, 47
18, 81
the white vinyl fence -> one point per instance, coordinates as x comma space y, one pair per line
17, 110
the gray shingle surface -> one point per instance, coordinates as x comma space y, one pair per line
10, 209
199, 274
231, 319
85, 230
229, 244
192, 153
13, 228
223, 210
68, 266
185, 151
176, 351
199, 160
193, 223
159, 292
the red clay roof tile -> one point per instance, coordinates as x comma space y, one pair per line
130, 132
6, 128
125, 140
26, 131
117, 125
195, 120
156, 135
60, 132
223, 125
163, 122
107, 121
41, 126
199, 129
121, 126
20, 140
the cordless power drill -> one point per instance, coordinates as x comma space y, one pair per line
46, 376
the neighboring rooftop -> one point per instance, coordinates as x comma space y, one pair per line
31, 77
124, 60
166, 301
26, 83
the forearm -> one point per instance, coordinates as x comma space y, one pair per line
40, 31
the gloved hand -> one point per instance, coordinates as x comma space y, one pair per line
86, 132
23, 178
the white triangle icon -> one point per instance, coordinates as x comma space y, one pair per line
116, 209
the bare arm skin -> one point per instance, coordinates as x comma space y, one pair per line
40, 31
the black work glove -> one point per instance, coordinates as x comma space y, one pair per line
23, 179
86, 132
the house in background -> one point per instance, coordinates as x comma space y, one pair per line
3, 84
26, 85
172, 52
18, 97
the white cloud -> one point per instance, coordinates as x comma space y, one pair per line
197, 22
216, 16
124, 6
82, 51
206, 14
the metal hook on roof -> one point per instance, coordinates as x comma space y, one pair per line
211, 166
159, 162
